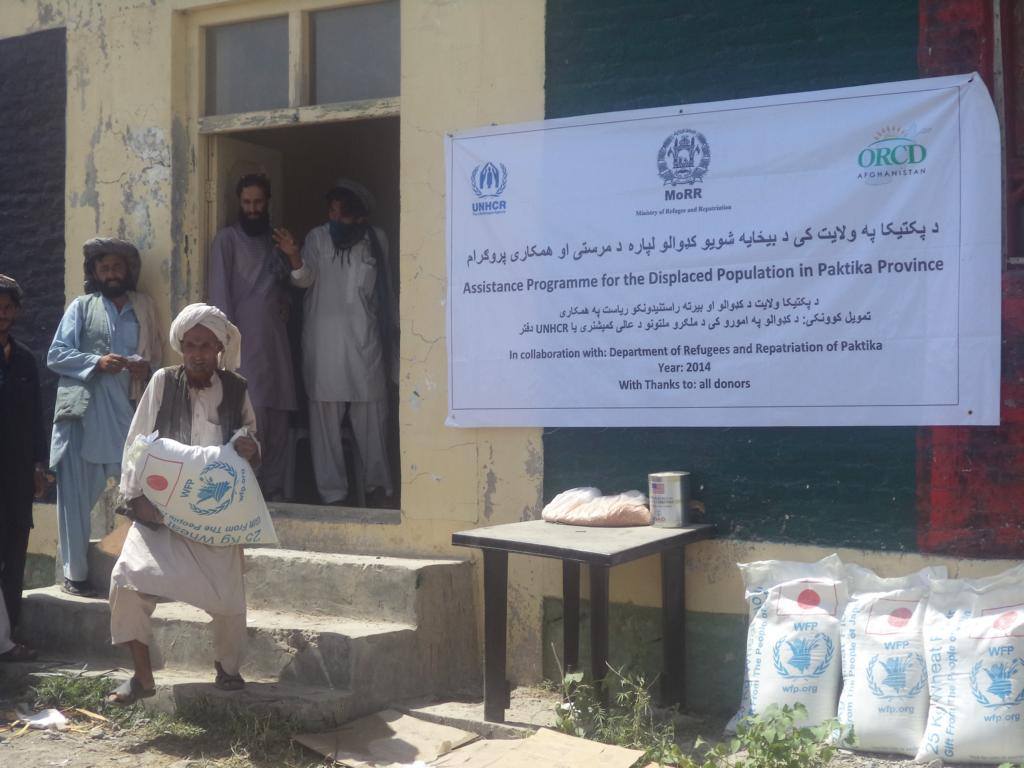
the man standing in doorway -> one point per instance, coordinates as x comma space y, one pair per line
22, 464
248, 281
349, 339
103, 350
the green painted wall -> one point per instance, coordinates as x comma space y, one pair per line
828, 486
853, 487
715, 645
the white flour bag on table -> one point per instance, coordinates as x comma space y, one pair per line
885, 676
206, 494
793, 637
974, 639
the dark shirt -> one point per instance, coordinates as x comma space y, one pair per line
22, 435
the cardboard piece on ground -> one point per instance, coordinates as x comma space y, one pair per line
544, 748
386, 738
113, 542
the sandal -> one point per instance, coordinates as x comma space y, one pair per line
129, 692
226, 682
78, 588
18, 653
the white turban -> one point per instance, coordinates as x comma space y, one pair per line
209, 317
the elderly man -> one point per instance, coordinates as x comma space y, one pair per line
201, 402
248, 281
102, 350
22, 463
349, 338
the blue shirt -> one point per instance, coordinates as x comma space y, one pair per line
110, 410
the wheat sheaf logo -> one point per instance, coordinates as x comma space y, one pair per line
806, 656
897, 677
1000, 684
215, 490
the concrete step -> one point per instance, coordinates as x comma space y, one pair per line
371, 587
179, 691
376, 659
329, 528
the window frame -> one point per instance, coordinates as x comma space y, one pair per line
300, 110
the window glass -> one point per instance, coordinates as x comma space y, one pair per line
355, 53
247, 66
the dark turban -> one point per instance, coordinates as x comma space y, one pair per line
98, 247
10, 286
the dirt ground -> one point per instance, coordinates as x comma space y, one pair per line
161, 743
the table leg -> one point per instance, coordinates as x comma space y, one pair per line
571, 615
599, 628
673, 618
495, 619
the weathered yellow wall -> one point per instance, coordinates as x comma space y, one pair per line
461, 478
118, 118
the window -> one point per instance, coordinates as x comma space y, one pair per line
247, 66
355, 53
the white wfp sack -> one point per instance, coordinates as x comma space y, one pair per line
974, 637
793, 637
885, 678
209, 495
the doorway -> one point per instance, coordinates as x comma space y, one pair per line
303, 162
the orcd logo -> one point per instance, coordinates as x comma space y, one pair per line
894, 152
489, 181
683, 159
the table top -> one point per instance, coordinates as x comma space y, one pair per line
594, 545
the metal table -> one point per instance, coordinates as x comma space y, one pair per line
600, 549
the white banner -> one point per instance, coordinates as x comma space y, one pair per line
826, 258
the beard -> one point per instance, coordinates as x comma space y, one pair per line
254, 226
113, 289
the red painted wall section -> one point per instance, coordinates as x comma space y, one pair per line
970, 481
955, 38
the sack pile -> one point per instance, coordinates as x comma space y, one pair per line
928, 667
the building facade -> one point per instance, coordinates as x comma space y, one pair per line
134, 117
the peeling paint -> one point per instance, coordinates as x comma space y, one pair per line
490, 485
47, 15
88, 196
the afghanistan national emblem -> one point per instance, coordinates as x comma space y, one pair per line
684, 158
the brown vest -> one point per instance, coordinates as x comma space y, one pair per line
174, 420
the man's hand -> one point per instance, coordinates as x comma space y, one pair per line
248, 450
40, 480
283, 239
144, 511
139, 369
112, 363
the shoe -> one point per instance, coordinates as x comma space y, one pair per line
78, 588
18, 653
129, 692
226, 682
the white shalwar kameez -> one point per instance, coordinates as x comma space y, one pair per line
160, 566
343, 360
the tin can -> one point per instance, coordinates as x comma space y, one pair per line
669, 497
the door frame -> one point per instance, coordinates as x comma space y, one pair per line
193, 181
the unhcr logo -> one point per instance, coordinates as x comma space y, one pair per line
489, 181
893, 153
